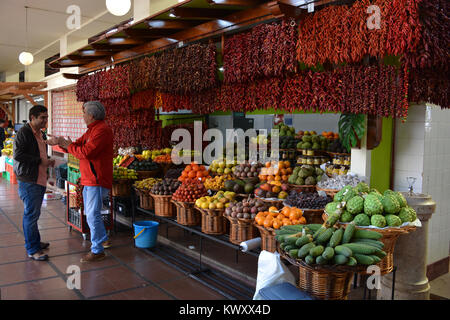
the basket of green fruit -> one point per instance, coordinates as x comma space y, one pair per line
368, 209
328, 255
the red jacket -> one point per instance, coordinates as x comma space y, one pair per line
95, 151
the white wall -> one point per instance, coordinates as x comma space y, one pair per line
423, 151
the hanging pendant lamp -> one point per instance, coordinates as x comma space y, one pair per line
25, 57
118, 7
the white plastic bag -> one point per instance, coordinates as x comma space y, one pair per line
271, 271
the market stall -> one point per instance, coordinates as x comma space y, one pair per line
279, 65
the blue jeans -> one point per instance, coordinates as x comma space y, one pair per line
32, 195
93, 202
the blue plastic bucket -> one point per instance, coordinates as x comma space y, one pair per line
145, 233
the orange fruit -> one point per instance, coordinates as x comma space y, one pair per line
192, 174
188, 168
302, 220
287, 222
294, 215
267, 164
277, 224
195, 167
284, 178
270, 178
277, 178
286, 211
268, 222
289, 170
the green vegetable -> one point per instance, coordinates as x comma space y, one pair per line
304, 251
361, 248
325, 236
363, 259
313, 226
336, 237
289, 247
319, 231
332, 219
309, 259
293, 253
375, 243
321, 260
316, 251
352, 261
328, 253
340, 259
343, 251
303, 240
366, 234
375, 258
348, 233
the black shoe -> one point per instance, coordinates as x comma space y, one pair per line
38, 256
44, 245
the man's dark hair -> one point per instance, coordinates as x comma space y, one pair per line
36, 111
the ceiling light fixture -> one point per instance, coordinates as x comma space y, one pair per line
25, 57
118, 7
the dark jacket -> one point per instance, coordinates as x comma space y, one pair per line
26, 155
2, 137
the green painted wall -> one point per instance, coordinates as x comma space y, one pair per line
381, 159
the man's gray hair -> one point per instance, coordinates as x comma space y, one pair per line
95, 109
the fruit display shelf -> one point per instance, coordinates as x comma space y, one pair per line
187, 215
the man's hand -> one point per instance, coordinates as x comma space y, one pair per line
48, 162
53, 140
64, 143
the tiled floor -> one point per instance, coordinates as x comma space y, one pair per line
127, 273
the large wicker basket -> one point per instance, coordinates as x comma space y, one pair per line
186, 213
302, 188
313, 215
163, 205
213, 221
389, 238
329, 192
121, 188
268, 241
241, 229
328, 282
145, 200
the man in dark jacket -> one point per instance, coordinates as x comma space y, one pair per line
2, 133
30, 167
95, 151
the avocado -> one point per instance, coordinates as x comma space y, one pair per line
248, 188
229, 184
239, 182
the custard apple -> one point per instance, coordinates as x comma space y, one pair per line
331, 207
378, 195
310, 181
362, 187
378, 220
407, 214
340, 195
349, 194
355, 205
390, 204
393, 221
401, 199
346, 217
372, 205
373, 190
362, 219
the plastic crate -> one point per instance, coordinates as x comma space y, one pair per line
73, 162
73, 174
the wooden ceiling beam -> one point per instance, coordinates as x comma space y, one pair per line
23, 85
172, 24
211, 14
149, 33
107, 46
8, 90
243, 3
94, 53
72, 76
121, 41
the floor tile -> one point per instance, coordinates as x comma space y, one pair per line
146, 293
13, 254
25, 271
11, 239
100, 282
62, 262
190, 289
129, 255
49, 289
156, 271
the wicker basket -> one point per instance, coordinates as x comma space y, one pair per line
147, 174
275, 203
268, 241
329, 192
186, 213
313, 215
302, 188
324, 281
213, 221
389, 238
163, 205
121, 188
241, 230
145, 200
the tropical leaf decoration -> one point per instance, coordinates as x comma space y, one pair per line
352, 128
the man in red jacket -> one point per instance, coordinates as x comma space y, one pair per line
95, 151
